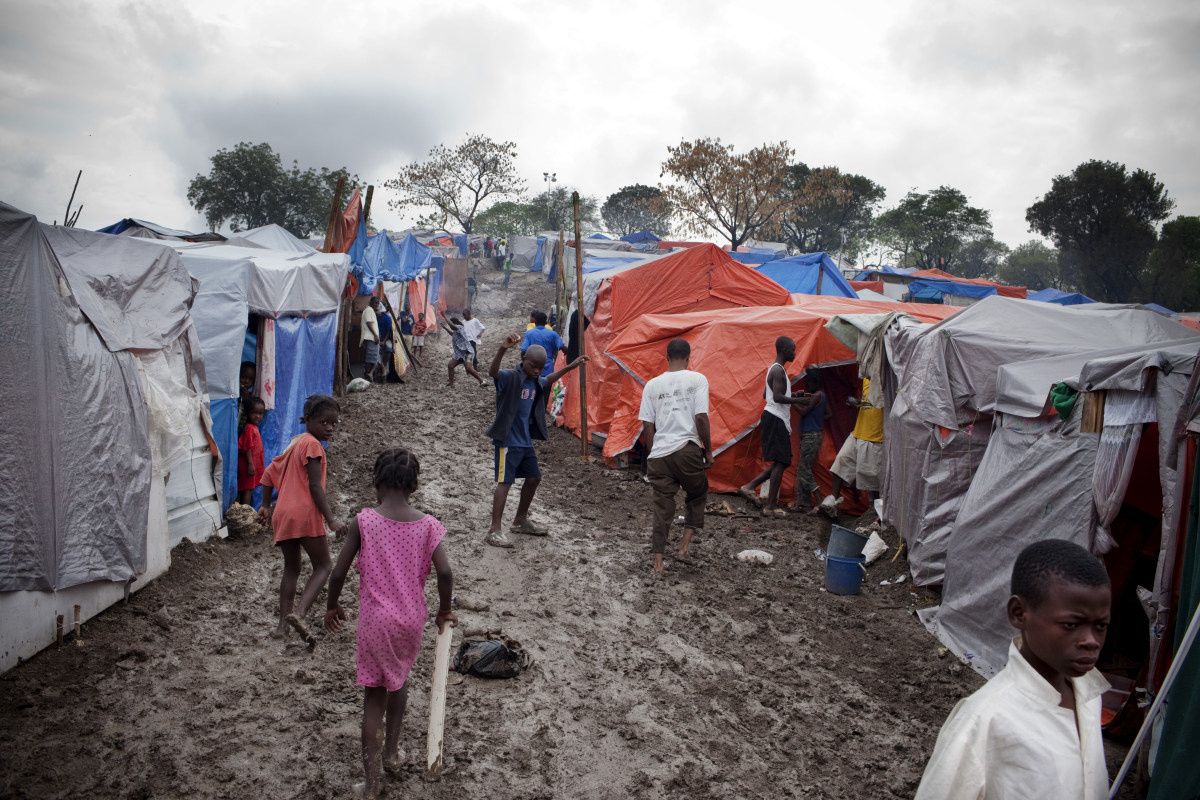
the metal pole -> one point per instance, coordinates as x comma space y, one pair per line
583, 420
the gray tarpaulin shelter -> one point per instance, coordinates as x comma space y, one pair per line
940, 417
87, 324
276, 237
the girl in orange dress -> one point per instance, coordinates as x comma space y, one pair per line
299, 514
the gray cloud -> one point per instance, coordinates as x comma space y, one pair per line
994, 100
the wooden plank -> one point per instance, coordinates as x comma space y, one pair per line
435, 739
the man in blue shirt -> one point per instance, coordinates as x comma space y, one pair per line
547, 337
520, 418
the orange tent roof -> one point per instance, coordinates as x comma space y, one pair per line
733, 349
1019, 292
698, 279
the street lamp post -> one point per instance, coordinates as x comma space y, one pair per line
549, 178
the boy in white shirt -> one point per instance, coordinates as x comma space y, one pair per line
1033, 732
675, 433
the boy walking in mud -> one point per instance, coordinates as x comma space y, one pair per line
1033, 731
675, 433
520, 418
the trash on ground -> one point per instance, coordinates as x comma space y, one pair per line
755, 557
242, 521
492, 658
901, 578
358, 385
874, 548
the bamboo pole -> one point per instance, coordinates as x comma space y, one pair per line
333, 214
583, 421
67, 217
78, 626
367, 206
560, 283
435, 740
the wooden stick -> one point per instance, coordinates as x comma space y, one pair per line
583, 421
367, 207
58, 628
435, 741
67, 216
333, 214
78, 625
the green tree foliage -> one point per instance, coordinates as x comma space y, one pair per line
717, 190
1173, 270
554, 212
1034, 266
508, 218
828, 209
930, 229
459, 181
1102, 219
248, 186
981, 258
638, 208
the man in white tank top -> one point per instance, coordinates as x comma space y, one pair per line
776, 427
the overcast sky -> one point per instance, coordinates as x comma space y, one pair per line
994, 99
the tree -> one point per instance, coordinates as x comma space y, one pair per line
458, 181
828, 210
981, 258
1032, 265
1173, 268
931, 229
638, 208
732, 194
554, 211
248, 186
1102, 219
508, 218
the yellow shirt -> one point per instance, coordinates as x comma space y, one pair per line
869, 425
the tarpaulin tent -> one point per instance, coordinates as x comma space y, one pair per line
939, 421
733, 348
872, 285
141, 229
1001, 289
641, 237
102, 382
277, 238
527, 252
753, 259
1042, 476
698, 279
1060, 297
809, 273
1156, 308
385, 259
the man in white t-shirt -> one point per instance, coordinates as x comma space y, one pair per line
675, 433
473, 329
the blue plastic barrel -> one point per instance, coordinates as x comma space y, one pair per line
844, 575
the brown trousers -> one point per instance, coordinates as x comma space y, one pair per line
683, 469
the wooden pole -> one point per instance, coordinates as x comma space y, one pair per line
367, 206
583, 421
435, 740
333, 214
560, 285
58, 628
78, 626
67, 216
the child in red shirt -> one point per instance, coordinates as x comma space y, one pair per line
250, 450
420, 328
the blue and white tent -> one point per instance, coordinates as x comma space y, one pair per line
1060, 297
810, 273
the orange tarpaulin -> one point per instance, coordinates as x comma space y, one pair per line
697, 279
733, 348
346, 226
1019, 292
874, 286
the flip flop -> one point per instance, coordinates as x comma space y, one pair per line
774, 512
748, 496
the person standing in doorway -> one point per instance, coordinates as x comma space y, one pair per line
858, 462
776, 428
369, 338
675, 433
812, 432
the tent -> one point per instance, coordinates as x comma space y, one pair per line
810, 273
733, 347
933, 281
698, 279
753, 259
1156, 308
527, 252
385, 259
141, 229
1060, 297
105, 459
276, 237
641, 237
287, 304
944, 393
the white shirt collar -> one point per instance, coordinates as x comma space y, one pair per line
1030, 681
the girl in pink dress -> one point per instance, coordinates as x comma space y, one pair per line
395, 545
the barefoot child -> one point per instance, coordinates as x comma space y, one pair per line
460, 342
419, 329
1033, 731
395, 544
250, 449
300, 512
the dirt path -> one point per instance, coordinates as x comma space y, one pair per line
722, 681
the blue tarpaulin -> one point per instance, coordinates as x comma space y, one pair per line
753, 259
933, 290
641, 237
224, 430
539, 258
385, 260
304, 348
887, 269
463, 243
600, 236
1166, 312
358, 247
803, 274
1060, 297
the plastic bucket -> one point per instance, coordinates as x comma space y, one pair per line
845, 543
844, 575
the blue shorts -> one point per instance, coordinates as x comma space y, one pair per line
515, 462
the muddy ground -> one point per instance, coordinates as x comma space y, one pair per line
723, 680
